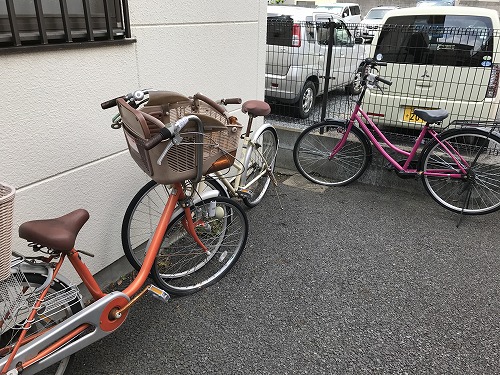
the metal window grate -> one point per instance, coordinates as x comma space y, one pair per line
37, 22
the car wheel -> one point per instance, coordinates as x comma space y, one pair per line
355, 87
306, 100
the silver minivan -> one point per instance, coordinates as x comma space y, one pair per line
437, 57
297, 45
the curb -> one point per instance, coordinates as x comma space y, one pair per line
376, 173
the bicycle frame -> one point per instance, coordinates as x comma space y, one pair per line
239, 181
359, 115
42, 349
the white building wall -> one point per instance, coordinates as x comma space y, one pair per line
57, 147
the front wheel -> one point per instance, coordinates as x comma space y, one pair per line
478, 152
143, 214
314, 146
259, 165
182, 266
306, 100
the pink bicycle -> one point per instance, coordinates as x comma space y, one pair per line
459, 167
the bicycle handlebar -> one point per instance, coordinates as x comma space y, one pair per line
365, 67
130, 98
165, 133
172, 131
231, 101
210, 102
383, 80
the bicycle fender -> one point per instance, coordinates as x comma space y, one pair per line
205, 195
256, 135
336, 122
259, 131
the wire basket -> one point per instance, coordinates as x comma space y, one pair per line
6, 213
18, 298
218, 144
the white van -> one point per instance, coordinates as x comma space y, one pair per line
348, 12
297, 45
437, 57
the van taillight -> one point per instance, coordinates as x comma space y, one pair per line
296, 35
492, 89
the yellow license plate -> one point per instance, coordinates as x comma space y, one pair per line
409, 116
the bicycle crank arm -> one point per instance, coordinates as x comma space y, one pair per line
94, 316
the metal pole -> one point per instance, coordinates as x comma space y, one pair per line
327, 70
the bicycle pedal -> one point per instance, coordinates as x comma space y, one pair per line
158, 293
244, 193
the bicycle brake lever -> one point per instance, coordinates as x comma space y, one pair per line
174, 141
380, 88
164, 153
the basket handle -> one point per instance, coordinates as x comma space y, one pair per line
210, 102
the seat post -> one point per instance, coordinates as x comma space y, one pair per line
249, 126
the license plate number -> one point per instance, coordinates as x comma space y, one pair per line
410, 116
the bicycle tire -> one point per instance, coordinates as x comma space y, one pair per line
263, 152
36, 280
143, 214
181, 266
313, 147
477, 193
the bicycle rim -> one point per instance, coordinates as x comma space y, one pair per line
479, 191
262, 156
182, 267
314, 146
143, 214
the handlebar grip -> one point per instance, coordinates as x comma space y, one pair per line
209, 101
381, 63
231, 101
164, 133
385, 81
109, 103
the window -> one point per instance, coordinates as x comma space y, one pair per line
342, 36
438, 40
355, 10
280, 31
43, 22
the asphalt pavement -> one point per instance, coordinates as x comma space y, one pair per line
352, 280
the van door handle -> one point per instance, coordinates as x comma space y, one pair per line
423, 84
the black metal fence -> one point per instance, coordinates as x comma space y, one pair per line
311, 72
37, 22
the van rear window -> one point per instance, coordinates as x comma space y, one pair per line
437, 40
280, 31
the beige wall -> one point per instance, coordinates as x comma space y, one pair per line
57, 147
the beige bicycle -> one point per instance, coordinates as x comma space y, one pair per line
248, 180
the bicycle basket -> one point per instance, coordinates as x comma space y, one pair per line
218, 144
6, 212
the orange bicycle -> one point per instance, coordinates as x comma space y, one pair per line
197, 240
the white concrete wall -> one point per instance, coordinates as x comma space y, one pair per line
57, 147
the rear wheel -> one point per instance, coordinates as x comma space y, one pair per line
45, 319
259, 165
182, 267
314, 145
306, 101
143, 214
478, 192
